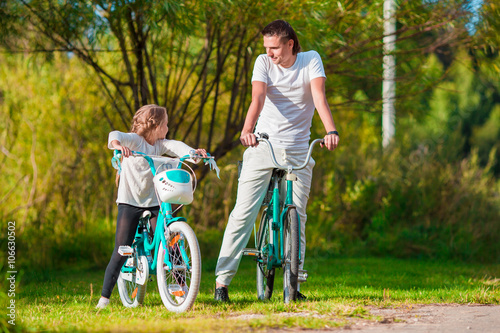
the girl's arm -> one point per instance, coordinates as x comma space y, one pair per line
125, 142
179, 149
126, 152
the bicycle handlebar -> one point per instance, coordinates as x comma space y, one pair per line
263, 137
209, 160
194, 156
191, 155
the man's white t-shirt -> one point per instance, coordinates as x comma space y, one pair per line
289, 106
136, 186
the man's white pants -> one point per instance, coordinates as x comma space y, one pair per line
252, 186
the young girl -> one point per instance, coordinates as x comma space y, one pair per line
136, 192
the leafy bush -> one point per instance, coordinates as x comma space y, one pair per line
411, 203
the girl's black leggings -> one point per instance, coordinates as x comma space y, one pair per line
126, 226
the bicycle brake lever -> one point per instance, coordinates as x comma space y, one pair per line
262, 136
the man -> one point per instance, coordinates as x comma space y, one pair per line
287, 85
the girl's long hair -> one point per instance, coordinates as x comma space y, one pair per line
145, 122
147, 119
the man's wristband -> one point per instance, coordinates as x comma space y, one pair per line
333, 132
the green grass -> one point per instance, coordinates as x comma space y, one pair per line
339, 291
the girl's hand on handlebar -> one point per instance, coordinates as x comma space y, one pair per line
126, 152
331, 141
201, 152
197, 155
248, 140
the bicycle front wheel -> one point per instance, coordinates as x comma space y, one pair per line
131, 293
265, 276
179, 285
291, 239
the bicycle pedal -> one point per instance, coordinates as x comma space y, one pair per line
125, 250
302, 276
127, 277
129, 262
250, 252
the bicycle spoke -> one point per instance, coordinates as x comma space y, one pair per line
179, 284
265, 277
131, 293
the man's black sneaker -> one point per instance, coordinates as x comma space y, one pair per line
221, 295
301, 296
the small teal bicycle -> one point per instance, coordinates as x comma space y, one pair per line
172, 253
277, 242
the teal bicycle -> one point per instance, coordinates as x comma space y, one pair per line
172, 253
277, 242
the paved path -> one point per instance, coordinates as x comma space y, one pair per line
433, 318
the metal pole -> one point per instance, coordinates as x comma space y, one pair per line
389, 73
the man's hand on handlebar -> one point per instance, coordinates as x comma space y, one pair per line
330, 141
248, 140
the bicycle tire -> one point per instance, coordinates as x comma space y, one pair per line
265, 277
291, 239
181, 239
131, 293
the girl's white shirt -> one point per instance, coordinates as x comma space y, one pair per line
136, 186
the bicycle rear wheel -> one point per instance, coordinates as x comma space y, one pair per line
265, 276
131, 293
291, 239
179, 285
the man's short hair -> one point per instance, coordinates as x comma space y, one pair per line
284, 31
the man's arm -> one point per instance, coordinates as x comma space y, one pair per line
321, 104
258, 98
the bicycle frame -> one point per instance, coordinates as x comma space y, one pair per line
277, 222
164, 220
144, 247
278, 215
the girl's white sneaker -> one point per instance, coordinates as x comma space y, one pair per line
103, 302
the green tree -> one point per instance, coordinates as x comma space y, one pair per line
195, 57
77, 69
